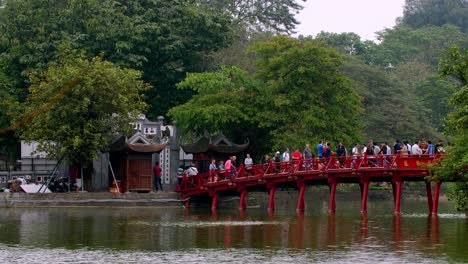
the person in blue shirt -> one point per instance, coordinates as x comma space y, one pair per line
320, 149
430, 148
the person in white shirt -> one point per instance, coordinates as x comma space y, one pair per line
408, 147
248, 162
415, 149
355, 150
192, 171
285, 155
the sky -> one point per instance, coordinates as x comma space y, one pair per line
364, 17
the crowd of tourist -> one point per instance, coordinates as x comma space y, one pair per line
228, 169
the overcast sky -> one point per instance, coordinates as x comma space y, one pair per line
364, 17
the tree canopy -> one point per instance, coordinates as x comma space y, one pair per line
78, 106
455, 165
260, 15
296, 95
421, 13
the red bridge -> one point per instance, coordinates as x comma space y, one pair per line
300, 173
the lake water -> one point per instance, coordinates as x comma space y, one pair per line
176, 235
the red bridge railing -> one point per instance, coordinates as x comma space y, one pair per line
332, 171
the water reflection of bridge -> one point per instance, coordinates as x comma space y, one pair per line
333, 234
395, 169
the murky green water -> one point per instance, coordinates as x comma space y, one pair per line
175, 235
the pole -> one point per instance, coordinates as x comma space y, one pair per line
113, 175
82, 180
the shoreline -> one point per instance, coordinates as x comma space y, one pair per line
170, 198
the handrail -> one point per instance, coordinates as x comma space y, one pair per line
304, 166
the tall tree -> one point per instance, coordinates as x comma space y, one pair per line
421, 13
455, 165
78, 105
164, 39
260, 15
297, 95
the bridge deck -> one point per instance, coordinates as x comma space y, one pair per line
359, 170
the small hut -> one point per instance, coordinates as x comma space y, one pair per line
206, 148
132, 162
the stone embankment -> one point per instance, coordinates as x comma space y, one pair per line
162, 199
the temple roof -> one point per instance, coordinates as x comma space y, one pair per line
219, 144
122, 144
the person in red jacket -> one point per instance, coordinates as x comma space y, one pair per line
157, 185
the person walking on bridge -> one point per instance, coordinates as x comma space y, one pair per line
320, 149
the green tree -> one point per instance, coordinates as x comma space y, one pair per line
260, 15
421, 13
455, 165
347, 43
296, 95
164, 39
424, 45
78, 105
390, 110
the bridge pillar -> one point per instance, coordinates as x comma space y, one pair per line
364, 194
214, 202
332, 202
429, 195
242, 201
435, 203
187, 204
271, 199
397, 198
300, 199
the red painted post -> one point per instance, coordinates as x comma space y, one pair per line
271, 199
365, 192
394, 192
429, 195
435, 202
214, 202
332, 202
399, 184
242, 202
187, 204
300, 200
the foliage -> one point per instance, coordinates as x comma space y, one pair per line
435, 95
421, 13
424, 45
347, 43
164, 39
455, 64
388, 113
79, 105
296, 95
260, 15
455, 166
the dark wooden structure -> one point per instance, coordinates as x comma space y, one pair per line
132, 165
206, 148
